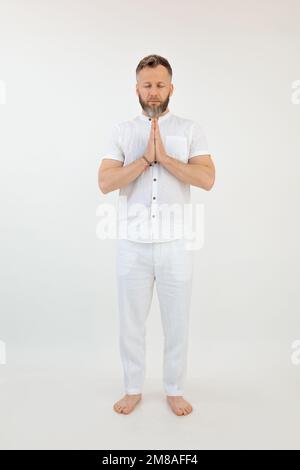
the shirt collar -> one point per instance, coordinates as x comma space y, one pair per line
160, 119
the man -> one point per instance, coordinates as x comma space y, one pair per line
153, 159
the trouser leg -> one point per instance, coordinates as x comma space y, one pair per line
135, 280
174, 272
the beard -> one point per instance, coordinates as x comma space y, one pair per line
154, 109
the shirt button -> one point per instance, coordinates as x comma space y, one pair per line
154, 179
153, 215
154, 197
155, 161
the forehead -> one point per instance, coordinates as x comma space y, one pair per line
156, 74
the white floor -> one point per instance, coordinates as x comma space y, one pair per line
247, 407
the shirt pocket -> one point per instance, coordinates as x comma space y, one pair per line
176, 146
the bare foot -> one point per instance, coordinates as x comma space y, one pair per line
127, 403
179, 405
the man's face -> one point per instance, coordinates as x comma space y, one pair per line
154, 89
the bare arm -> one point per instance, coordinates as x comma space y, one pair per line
113, 174
199, 171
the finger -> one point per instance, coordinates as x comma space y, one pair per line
154, 127
152, 131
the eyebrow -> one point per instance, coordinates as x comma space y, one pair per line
157, 82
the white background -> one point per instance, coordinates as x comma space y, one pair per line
69, 71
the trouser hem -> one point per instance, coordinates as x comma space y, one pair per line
133, 391
173, 393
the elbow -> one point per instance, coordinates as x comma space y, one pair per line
211, 183
102, 186
103, 190
102, 183
209, 187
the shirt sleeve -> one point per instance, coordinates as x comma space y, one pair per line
199, 144
112, 148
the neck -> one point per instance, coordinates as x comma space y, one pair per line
162, 114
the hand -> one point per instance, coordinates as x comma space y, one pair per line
150, 150
160, 152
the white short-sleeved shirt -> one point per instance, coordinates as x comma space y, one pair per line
151, 208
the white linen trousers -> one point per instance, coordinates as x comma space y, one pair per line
139, 265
